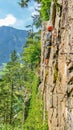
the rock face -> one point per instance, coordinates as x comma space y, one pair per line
57, 79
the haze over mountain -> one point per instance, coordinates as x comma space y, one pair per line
11, 39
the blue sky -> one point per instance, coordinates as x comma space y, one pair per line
11, 14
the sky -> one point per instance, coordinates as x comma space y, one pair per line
11, 14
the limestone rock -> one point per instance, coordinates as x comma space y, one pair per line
57, 79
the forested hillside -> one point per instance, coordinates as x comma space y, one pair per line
11, 39
21, 104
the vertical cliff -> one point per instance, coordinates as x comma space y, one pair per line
57, 78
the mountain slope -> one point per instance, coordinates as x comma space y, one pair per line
11, 39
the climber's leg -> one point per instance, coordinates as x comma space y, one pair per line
46, 61
47, 56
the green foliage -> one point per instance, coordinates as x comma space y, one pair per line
31, 59
8, 127
16, 86
11, 91
45, 9
37, 20
31, 54
34, 120
44, 12
14, 56
24, 3
21, 105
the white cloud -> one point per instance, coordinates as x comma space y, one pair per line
37, 6
8, 20
35, 13
33, 9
